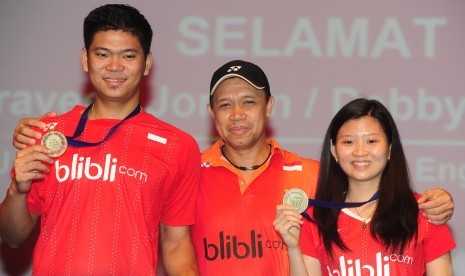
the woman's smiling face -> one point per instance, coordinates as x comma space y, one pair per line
362, 149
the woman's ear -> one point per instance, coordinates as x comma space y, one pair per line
389, 154
333, 150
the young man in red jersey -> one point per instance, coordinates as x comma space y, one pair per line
107, 180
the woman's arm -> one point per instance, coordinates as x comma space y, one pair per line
441, 266
288, 225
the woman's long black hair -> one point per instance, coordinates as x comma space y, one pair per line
395, 221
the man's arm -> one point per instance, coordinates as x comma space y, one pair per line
24, 135
16, 222
437, 205
178, 251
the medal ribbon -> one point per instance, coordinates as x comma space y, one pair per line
82, 123
340, 205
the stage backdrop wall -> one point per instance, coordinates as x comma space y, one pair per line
317, 54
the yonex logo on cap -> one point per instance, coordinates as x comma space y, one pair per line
234, 68
247, 71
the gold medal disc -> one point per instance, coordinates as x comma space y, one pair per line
56, 142
297, 198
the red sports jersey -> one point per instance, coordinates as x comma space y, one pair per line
369, 257
234, 233
101, 206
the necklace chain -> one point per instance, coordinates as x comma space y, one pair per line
364, 225
253, 168
93, 112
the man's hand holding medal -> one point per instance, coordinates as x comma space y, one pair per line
32, 163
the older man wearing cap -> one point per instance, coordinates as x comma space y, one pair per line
244, 176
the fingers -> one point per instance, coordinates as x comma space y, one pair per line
436, 201
286, 218
283, 207
31, 164
433, 198
284, 223
285, 212
38, 152
21, 141
49, 114
424, 197
437, 205
288, 224
24, 135
440, 214
440, 218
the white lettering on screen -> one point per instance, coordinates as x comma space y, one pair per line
236, 36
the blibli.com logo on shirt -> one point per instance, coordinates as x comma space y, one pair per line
228, 246
83, 167
381, 267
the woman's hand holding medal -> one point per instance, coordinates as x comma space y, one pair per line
288, 223
288, 218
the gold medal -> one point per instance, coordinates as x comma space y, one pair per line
56, 142
297, 198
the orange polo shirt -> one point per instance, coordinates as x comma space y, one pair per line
234, 233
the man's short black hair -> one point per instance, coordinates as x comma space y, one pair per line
118, 17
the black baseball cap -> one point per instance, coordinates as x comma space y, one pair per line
245, 70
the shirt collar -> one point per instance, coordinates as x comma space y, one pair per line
213, 154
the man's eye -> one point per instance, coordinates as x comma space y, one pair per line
102, 55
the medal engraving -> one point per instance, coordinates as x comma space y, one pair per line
56, 142
297, 198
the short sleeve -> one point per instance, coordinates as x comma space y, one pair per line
309, 239
179, 206
437, 242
